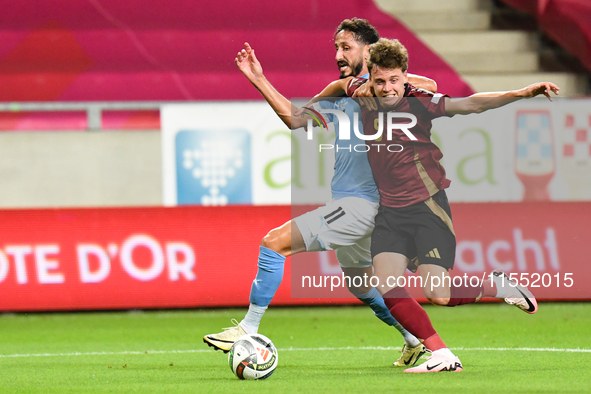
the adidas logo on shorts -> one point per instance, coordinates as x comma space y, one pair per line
433, 253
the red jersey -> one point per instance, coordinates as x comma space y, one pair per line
413, 174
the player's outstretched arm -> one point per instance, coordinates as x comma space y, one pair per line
250, 66
339, 87
365, 91
421, 82
336, 88
481, 102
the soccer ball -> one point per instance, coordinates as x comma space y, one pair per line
253, 357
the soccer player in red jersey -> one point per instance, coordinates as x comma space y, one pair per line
344, 224
413, 227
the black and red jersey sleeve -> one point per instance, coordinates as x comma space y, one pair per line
431, 103
354, 84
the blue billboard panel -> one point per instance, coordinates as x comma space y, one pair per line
213, 167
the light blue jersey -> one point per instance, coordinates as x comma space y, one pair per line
352, 173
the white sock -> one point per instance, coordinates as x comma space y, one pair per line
253, 318
445, 352
502, 285
409, 339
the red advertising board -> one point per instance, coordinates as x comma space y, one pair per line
122, 258
540, 244
130, 258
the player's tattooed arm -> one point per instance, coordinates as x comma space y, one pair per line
250, 66
481, 102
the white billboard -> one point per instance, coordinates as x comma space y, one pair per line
241, 153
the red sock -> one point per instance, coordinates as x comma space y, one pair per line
434, 342
489, 288
465, 294
413, 317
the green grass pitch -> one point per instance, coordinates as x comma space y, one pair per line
324, 349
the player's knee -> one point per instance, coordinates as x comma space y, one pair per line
270, 242
437, 295
274, 242
441, 301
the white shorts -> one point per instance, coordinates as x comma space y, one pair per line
343, 225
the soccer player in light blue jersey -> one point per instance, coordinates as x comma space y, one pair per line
346, 222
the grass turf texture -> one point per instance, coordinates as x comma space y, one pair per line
148, 352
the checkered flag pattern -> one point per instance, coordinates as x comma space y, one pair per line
535, 155
213, 163
577, 138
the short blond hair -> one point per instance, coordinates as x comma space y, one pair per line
388, 53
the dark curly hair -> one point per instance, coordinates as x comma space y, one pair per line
363, 31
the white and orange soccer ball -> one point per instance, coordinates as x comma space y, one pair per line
253, 357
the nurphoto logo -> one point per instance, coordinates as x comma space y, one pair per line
344, 133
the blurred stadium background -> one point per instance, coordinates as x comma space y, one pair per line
107, 109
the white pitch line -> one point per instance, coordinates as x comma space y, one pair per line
289, 349
103, 353
527, 349
521, 349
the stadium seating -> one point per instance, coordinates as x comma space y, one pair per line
566, 21
182, 50
460, 31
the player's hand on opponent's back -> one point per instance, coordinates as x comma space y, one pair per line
300, 112
541, 88
365, 96
248, 63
